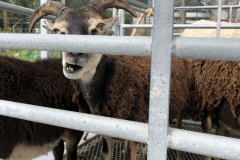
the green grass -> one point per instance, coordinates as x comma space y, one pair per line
28, 55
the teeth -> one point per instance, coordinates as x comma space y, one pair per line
70, 69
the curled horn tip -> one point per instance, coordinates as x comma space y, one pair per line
49, 8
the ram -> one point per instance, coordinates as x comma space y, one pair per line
83, 21
40, 83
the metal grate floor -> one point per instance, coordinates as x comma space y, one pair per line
91, 149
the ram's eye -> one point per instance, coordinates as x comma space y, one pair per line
100, 26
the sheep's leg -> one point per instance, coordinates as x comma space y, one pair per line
221, 130
179, 125
207, 127
58, 151
132, 148
72, 140
107, 148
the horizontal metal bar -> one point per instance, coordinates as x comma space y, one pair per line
191, 26
193, 48
204, 144
79, 121
145, 26
207, 48
205, 7
189, 122
20, 10
193, 142
139, 9
139, 3
137, 46
207, 26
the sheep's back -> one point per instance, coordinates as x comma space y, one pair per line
215, 81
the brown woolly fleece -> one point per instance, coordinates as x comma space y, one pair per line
215, 81
122, 84
126, 92
41, 83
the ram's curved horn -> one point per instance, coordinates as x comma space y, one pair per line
49, 8
101, 5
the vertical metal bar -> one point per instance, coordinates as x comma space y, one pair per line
117, 26
219, 18
44, 54
230, 14
160, 79
63, 1
122, 21
114, 14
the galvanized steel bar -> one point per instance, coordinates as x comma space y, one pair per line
160, 79
189, 122
146, 26
140, 10
114, 13
139, 3
63, 1
204, 144
122, 21
219, 17
207, 48
20, 10
230, 14
136, 46
177, 139
44, 54
182, 26
195, 48
205, 7
79, 121
204, 26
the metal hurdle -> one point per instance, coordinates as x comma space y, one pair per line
162, 47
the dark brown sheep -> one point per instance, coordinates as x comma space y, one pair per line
40, 83
120, 89
216, 89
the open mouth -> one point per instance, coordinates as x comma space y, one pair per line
72, 68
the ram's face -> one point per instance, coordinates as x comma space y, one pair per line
79, 65
83, 21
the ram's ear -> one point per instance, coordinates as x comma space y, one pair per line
49, 26
109, 23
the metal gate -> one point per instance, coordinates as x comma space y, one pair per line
161, 47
